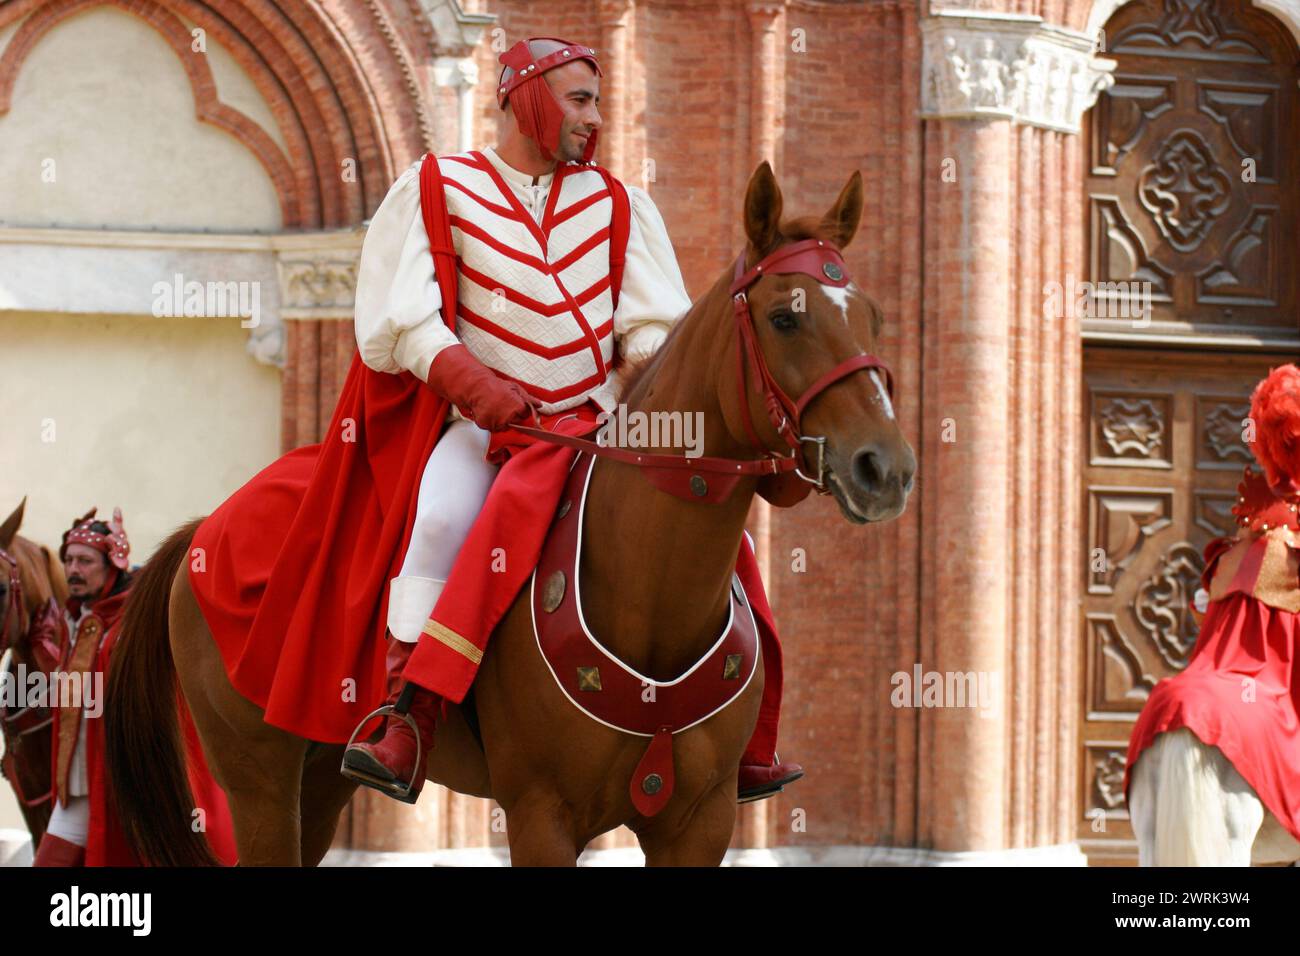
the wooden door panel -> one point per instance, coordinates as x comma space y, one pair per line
1187, 187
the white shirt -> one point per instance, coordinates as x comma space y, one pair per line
398, 319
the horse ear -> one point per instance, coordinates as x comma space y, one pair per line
11, 524
841, 223
762, 209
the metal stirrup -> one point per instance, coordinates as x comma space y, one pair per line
387, 710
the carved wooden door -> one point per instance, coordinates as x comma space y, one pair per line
1191, 188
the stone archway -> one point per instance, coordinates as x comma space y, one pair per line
332, 101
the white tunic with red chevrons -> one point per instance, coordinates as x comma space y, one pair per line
534, 302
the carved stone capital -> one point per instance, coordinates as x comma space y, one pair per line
455, 71
318, 280
1009, 66
457, 32
614, 13
764, 13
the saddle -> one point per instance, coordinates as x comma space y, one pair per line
608, 690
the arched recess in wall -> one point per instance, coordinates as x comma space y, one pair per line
349, 111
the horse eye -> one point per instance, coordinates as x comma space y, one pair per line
784, 321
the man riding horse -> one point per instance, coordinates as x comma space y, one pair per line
536, 342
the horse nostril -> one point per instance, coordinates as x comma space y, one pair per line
869, 469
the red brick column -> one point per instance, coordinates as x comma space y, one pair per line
765, 60
964, 604
615, 17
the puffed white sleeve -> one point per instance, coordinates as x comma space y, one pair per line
398, 305
653, 295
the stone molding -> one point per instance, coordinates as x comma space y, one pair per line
304, 275
1009, 66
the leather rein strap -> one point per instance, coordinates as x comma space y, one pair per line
811, 257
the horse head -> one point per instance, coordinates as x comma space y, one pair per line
30, 577
816, 334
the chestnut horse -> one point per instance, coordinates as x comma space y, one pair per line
656, 585
28, 731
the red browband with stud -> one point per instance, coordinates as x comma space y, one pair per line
519, 59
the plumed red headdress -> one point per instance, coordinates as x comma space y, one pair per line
1275, 412
113, 545
538, 113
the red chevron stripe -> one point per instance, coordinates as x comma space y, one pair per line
528, 345
581, 249
483, 236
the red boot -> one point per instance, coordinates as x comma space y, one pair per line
55, 851
396, 764
759, 783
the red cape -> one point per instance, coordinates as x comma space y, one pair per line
292, 571
1240, 693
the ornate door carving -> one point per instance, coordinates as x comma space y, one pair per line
1192, 154
1205, 91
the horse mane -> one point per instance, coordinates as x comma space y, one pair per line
40, 572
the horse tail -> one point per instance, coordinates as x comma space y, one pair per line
145, 750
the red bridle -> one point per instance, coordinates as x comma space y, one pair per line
811, 257
21, 721
820, 261
12, 613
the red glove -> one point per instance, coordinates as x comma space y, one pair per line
488, 400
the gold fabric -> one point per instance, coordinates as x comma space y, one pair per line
1276, 580
453, 640
81, 661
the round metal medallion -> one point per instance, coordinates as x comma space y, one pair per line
699, 487
553, 593
652, 784
833, 272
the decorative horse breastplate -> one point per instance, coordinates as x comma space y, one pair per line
608, 690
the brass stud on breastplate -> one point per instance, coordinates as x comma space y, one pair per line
589, 678
699, 487
652, 784
553, 592
731, 669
